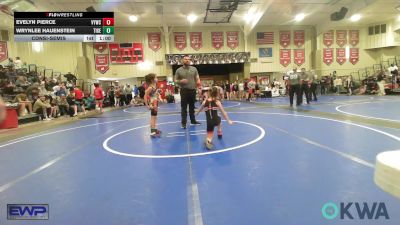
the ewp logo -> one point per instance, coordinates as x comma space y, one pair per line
331, 210
27, 212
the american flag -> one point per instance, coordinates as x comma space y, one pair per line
265, 38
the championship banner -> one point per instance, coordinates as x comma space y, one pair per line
232, 39
299, 56
101, 63
354, 37
340, 55
265, 38
299, 38
126, 53
3, 51
328, 38
328, 56
180, 40
284, 57
217, 39
100, 46
354, 55
154, 41
341, 37
196, 40
284, 38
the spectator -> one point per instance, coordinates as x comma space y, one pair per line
73, 108
63, 105
24, 103
79, 99
42, 107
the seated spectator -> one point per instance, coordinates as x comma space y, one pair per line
63, 106
42, 107
137, 101
90, 102
73, 108
54, 103
24, 103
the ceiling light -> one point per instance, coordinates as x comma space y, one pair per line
191, 18
355, 17
248, 17
398, 18
133, 18
299, 17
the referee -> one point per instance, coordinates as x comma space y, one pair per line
294, 87
187, 77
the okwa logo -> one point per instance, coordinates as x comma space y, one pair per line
355, 210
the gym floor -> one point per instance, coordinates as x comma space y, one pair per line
274, 165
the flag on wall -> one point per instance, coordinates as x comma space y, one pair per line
180, 40
265, 38
101, 61
299, 56
196, 40
299, 38
154, 41
217, 39
328, 38
264, 52
284, 38
354, 36
232, 39
285, 57
100, 46
340, 55
328, 56
341, 37
354, 55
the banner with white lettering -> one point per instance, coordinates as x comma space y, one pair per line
154, 40
100, 46
328, 38
299, 38
299, 56
328, 56
180, 40
340, 55
101, 61
284, 38
232, 39
341, 37
196, 40
3, 51
285, 57
217, 39
354, 55
354, 36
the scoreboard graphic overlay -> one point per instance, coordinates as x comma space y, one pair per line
64, 26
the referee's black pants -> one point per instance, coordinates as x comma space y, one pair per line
188, 97
295, 88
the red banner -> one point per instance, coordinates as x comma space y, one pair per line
232, 39
196, 40
101, 63
341, 37
299, 56
284, 38
180, 40
354, 55
100, 46
285, 57
126, 53
217, 39
3, 51
154, 40
328, 56
328, 38
354, 36
340, 55
299, 38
